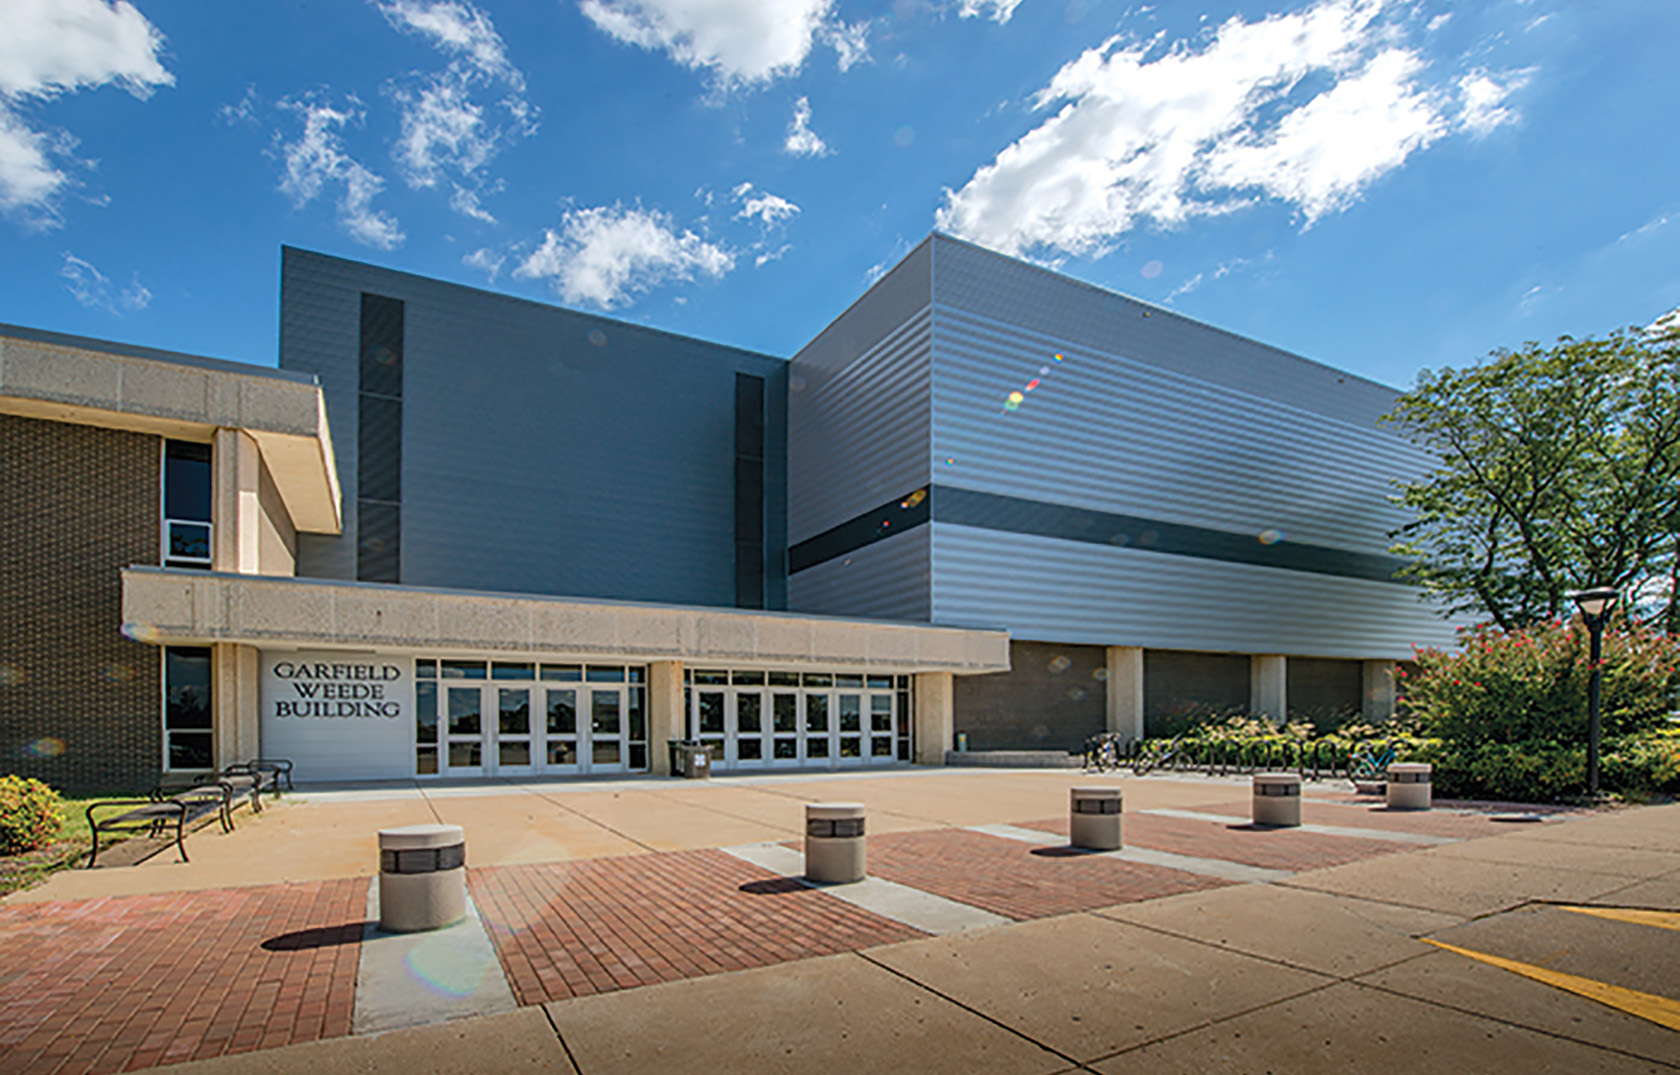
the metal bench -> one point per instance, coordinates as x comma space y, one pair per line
155, 815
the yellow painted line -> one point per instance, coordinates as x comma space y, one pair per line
1660, 919
1659, 1010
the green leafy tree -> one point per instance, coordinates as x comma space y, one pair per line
1558, 469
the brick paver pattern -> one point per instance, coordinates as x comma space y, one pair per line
90, 986
1015, 879
597, 925
1273, 849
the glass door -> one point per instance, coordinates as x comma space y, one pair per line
464, 731
881, 728
749, 730
710, 721
606, 730
513, 731
850, 711
818, 740
560, 731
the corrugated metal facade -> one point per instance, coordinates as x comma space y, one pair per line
1144, 413
544, 450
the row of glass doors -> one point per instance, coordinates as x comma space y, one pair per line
765, 728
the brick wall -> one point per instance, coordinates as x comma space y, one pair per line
79, 704
1053, 697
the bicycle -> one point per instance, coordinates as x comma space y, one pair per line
1102, 752
1369, 766
1155, 753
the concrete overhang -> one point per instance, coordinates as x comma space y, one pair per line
89, 382
173, 607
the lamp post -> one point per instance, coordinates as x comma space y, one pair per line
1595, 606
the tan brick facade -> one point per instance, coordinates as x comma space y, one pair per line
77, 504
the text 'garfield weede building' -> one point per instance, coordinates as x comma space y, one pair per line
457, 533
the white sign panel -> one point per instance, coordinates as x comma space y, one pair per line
339, 716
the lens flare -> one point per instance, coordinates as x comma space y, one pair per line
45, 747
1013, 401
116, 673
1059, 664
1032, 384
950, 460
1099, 674
597, 337
1270, 537
12, 675
913, 499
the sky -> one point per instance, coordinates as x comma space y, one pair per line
1383, 186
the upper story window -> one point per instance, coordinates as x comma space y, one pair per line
186, 504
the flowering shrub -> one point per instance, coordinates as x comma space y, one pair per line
28, 814
1530, 686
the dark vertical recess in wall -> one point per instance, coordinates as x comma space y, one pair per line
749, 491
379, 442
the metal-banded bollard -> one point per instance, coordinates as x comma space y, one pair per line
834, 852
1277, 799
422, 877
1094, 818
1409, 786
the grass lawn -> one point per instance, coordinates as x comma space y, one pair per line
23, 871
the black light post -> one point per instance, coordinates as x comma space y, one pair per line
1595, 606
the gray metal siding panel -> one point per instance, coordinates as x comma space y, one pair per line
858, 433
888, 580
1109, 432
1061, 591
979, 281
545, 451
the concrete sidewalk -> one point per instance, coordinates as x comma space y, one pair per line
1323, 969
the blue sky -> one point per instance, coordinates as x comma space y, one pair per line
1383, 186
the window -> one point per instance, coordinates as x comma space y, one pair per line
186, 504
187, 711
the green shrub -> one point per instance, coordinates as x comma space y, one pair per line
1530, 686
28, 814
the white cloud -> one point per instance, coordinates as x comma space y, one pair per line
242, 111
1484, 100
768, 256
317, 158
801, 140
850, 42
445, 130
486, 261
93, 290
768, 209
50, 47
457, 28
1307, 108
741, 42
996, 10
605, 255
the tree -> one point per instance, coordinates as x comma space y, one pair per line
1558, 468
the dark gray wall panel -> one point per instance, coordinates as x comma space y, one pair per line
1324, 690
1052, 698
545, 450
1178, 684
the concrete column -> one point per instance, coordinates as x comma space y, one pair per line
1380, 691
665, 713
935, 717
1268, 686
233, 689
1125, 691
235, 502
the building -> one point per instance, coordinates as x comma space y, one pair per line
457, 533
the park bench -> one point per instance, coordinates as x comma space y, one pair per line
189, 798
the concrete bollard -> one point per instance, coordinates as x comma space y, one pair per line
1094, 818
1409, 786
422, 877
834, 852
1277, 799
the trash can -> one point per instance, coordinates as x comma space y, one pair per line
690, 760
1094, 818
422, 877
1409, 786
1277, 799
834, 852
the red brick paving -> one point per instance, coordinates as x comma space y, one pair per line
1015, 879
91, 986
1374, 814
597, 925
1273, 849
